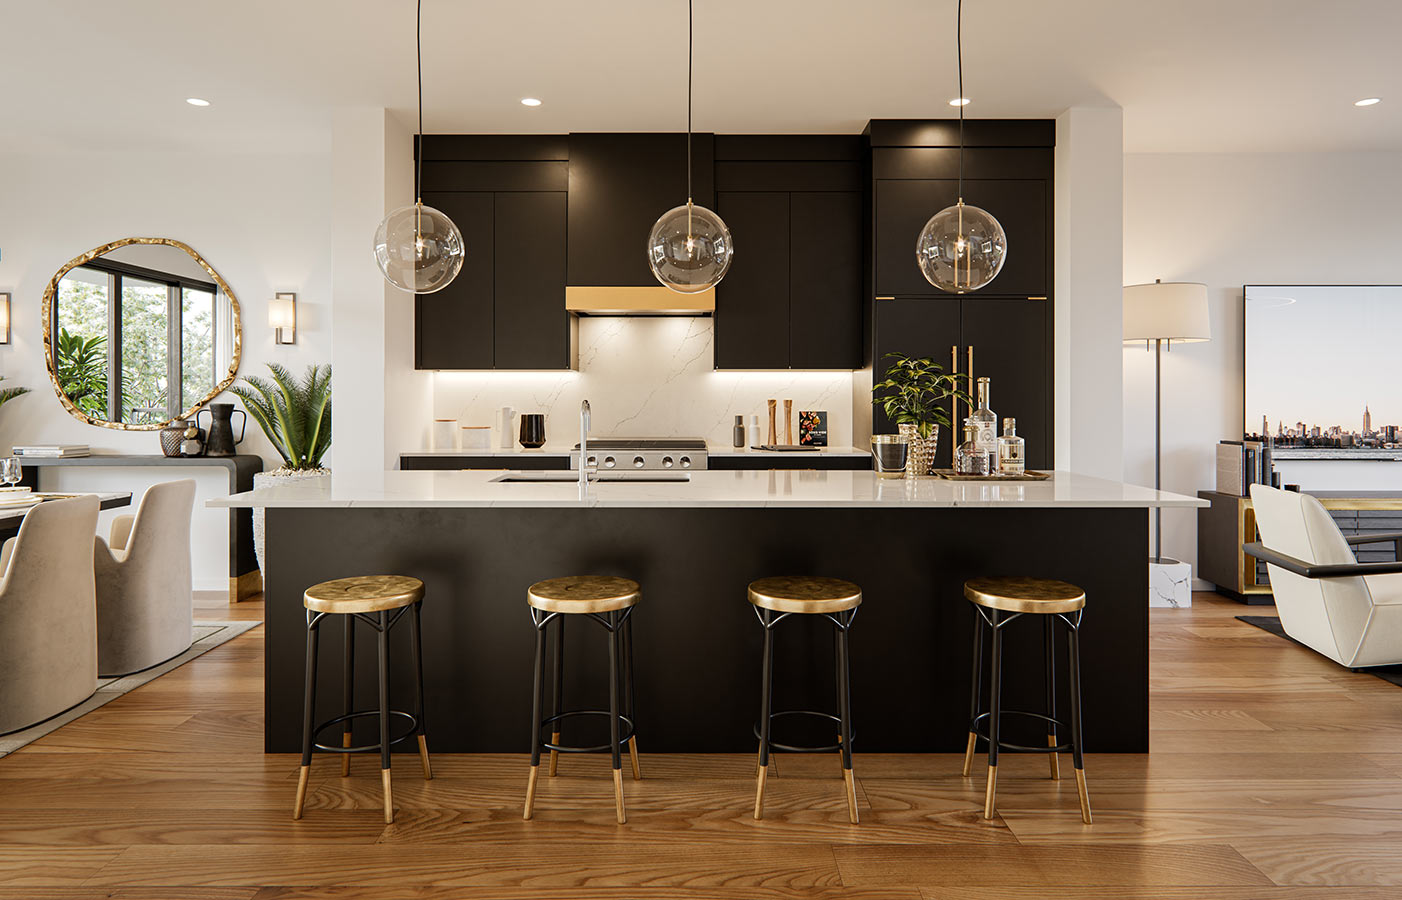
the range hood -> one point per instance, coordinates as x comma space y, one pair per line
638, 301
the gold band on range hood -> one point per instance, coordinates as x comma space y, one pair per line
638, 301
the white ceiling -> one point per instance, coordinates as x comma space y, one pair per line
1191, 75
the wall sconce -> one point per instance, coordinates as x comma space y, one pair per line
282, 317
4, 318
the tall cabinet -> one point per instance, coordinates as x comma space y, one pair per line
1003, 330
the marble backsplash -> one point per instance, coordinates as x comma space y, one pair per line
648, 377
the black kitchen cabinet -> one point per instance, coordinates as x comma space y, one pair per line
531, 327
453, 327
825, 280
752, 301
916, 327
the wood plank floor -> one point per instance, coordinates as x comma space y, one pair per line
1276, 774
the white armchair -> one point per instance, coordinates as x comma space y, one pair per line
48, 619
1349, 611
144, 587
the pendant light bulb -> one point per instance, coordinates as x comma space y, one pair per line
690, 248
418, 248
961, 248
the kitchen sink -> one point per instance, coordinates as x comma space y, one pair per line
600, 478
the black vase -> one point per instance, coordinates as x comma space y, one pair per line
532, 430
221, 439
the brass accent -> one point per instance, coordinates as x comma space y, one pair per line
618, 796
643, 300
584, 594
554, 754
1055, 759
302, 777
970, 375
423, 757
1036, 298
1025, 595
969, 755
851, 796
954, 370
363, 594
345, 757
989, 792
389, 797
51, 292
633, 755
1084, 795
530, 792
759, 791
805, 594
886, 298
242, 587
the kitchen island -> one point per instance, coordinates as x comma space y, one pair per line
478, 540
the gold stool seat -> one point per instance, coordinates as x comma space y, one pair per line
1045, 596
805, 594
363, 594
584, 594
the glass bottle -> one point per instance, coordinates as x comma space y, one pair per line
969, 457
987, 422
738, 435
1012, 450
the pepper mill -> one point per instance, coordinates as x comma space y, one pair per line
788, 422
773, 427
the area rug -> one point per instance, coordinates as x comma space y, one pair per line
208, 635
1392, 674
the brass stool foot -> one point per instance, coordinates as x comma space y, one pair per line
1085, 797
554, 754
345, 757
988, 794
1055, 762
530, 792
302, 777
851, 795
618, 796
759, 791
969, 755
389, 797
633, 755
423, 757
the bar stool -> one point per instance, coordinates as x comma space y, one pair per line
998, 601
380, 601
609, 601
775, 599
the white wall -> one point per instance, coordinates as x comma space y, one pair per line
258, 219
1228, 220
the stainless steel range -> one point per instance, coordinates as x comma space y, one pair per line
643, 453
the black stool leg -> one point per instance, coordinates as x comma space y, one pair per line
416, 632
628, 690
536, 691
308, 710
844, 678
1074, 641
348, 686
995, 710
614, 629
557, 702
1049, 626
384, 717
975, 688
766, 683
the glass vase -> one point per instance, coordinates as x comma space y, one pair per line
920, 460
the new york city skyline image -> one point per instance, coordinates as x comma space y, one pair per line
1322, 373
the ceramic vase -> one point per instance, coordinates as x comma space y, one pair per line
920, 460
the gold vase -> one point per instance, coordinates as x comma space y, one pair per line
921, 458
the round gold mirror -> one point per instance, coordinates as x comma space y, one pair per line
139, 332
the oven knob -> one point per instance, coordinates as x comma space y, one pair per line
666, 462
686, 462
594, 461
609, 462
637, 462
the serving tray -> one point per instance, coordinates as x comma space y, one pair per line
951, 475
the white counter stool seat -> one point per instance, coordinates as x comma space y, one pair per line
380, 601
608, 600
997, 603
775, 599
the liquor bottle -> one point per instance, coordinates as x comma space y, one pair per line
1012, 450
987, 422
969, 457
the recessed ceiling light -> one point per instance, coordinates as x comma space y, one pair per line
529, 101
1367, 101
196, 101
959, 101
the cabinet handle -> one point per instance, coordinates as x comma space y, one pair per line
954, 401
892, 298
971, 370
1036, 298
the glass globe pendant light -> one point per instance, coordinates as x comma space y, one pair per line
689, 249
417, 247
962, 248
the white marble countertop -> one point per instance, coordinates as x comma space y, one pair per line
553, 450
710, 488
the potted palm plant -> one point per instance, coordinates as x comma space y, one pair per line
296, 417
913, 395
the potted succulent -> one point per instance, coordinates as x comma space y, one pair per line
296, 417
913, 395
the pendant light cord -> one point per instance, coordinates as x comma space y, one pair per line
959, 55
419, 65
690, 41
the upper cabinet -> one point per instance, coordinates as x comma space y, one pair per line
619, 185
793, 296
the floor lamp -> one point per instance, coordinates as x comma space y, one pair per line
1159, 314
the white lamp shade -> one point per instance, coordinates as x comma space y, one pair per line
282, 313
1172, 311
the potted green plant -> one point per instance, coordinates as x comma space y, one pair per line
913, 395
296, 417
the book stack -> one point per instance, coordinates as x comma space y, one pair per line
1241, 464
53, 451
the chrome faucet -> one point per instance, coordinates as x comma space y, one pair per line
583, 448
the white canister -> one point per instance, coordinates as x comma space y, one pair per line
476, 437
505, 439
754, 431
444, 434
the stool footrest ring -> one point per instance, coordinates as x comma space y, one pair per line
982, 732
364, 748
625, 734
790, 748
